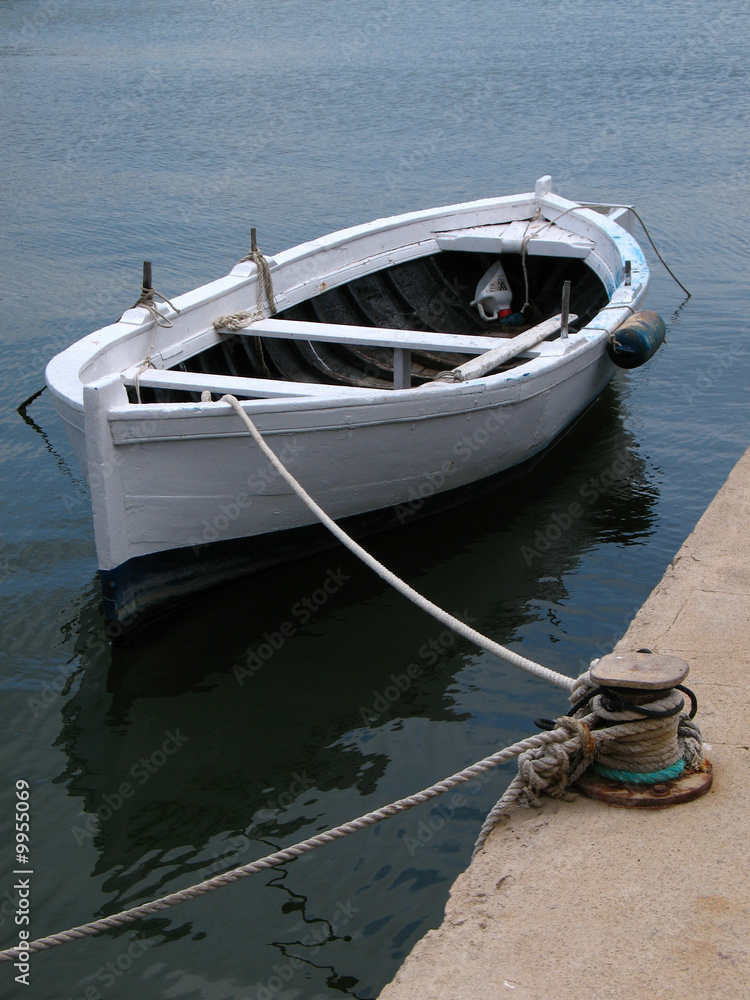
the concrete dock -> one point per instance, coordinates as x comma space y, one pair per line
581, 900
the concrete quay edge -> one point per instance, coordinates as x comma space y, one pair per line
580, 900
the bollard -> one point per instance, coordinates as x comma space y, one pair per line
631, 680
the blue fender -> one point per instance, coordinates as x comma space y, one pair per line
637, 340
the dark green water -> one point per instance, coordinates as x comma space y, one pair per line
133, 130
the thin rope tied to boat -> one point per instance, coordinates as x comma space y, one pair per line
239, 320
524, 249
125, 917
146, 301
529, 235
461, 628
593, 204
645, 743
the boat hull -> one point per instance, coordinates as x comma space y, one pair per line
149, 587
200, 505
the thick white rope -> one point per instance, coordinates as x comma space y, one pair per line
561, 734
289, 853
548, 762
530, 666
550, 768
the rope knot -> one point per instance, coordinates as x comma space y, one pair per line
146, 301
550, 767
588, 743
623, 735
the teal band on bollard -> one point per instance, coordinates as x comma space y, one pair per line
640, 777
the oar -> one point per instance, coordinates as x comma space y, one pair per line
490, 360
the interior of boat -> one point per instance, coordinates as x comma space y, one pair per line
432, 294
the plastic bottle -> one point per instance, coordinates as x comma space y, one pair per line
493, 295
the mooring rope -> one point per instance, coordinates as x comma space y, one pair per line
239, 320
290, 853
502, 652
146, 301
528, 236
656, 251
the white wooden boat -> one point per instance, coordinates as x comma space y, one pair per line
341, 373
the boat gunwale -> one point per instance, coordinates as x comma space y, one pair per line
222, 410
363, 410
540, 364
64, 371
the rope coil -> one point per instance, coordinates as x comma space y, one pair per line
647, 743
239, 320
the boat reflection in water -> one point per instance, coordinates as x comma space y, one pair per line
293, 701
